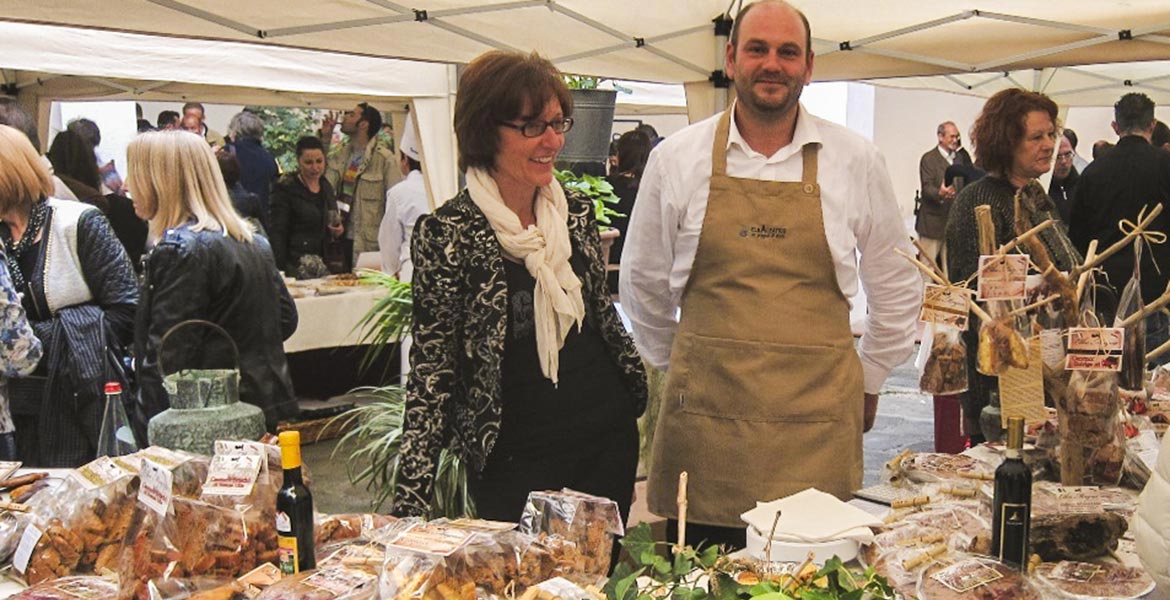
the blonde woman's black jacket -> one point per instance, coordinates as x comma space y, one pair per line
460, 318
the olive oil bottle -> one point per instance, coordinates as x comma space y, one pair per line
294, 510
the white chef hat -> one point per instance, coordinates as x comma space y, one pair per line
409, 144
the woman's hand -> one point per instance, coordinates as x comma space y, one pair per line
335, 230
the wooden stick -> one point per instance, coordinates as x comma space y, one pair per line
975, 308
1024, 237
1147, 310
1024, 309
771, 536
682, 513
927, 259
1115, 248
1156, 352
1084, 277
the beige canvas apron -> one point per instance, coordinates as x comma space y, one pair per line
764, 394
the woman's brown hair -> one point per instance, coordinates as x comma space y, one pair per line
501, 86
1000, 126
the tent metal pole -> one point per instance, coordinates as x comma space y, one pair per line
487, 8
208, 16
967, 14
110, 84
337, 25
995, 64
471, 35
918, 58
994, 16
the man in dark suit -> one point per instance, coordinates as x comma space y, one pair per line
937, 196
1133, 175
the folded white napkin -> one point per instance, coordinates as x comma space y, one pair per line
812, 516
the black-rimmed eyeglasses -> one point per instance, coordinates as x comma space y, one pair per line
536, 127
1065, 155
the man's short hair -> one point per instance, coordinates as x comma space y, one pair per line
1071, 136
167, 118
13, 116
745, 10
188, 106
942, 127
371, 116
87, 129
1133, 113
411, 163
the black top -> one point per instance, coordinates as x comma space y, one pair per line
1062, 192
1116, 186
590, 395
298, 220
258, 169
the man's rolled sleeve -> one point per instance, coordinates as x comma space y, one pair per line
647, 260
892, 285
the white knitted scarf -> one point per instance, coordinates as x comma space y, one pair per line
545, 250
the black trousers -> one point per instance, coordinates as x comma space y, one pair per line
733, 538
605, 467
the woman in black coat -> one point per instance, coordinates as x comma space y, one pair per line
301, 204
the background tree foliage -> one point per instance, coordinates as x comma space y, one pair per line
283, 127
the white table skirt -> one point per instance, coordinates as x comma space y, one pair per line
331, 321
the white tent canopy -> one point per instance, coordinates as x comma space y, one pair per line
658, 40
44, 63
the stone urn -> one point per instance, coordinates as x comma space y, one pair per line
204, 407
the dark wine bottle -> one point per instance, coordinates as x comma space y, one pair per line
1012, 507
294, 511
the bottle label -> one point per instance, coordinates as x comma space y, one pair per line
1013, 532
155, 489
283, 522
288, 558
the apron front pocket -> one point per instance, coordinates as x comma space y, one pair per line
764, 382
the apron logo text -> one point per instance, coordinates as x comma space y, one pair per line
762, 232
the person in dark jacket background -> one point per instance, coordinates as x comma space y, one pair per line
258, 168
302, 204
207, 264
246, 203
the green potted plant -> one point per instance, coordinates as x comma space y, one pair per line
600, 192
593, 108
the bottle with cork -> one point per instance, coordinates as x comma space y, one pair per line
1012, 505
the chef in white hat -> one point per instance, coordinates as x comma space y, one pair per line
405, 203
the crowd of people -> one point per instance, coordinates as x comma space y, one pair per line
521, 364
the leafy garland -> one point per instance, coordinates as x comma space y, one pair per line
679, 577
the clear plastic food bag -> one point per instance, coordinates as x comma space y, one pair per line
945, 371
588, 521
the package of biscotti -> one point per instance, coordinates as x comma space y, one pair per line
589, 521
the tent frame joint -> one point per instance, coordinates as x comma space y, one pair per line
845, 46
420, 15
1125, 35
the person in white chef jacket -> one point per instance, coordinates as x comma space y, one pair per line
405, 203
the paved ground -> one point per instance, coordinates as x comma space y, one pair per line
905, 420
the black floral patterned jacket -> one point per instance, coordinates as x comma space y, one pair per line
460, 318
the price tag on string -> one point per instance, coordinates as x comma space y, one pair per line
1094, 348
1003, 277
945, 305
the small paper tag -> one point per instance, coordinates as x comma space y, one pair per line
155, 490
1003, 277
356, 556
7, 468
1079, 499
232, 474
1094, 349
28, 543
965, 576
165, 456
98, 473
339, 580
945, 306
1052, 348
563, 589
257, 579
1079, 572
433, 539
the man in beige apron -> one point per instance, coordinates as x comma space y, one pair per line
764, 394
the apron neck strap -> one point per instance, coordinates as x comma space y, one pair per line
719, 151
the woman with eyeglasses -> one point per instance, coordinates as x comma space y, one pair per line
520, 362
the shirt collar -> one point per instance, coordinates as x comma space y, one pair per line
806, 132
947, 154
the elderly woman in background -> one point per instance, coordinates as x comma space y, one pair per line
520, 362
302, 204
79, 294
258, 169
206, 264
1014, 137
74, 162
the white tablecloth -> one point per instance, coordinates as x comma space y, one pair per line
331, 321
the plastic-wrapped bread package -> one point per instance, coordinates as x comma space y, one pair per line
1091, 432
588, 521
192, 539
964, 578
335, 528
330, 582
1092, 581
945, 371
